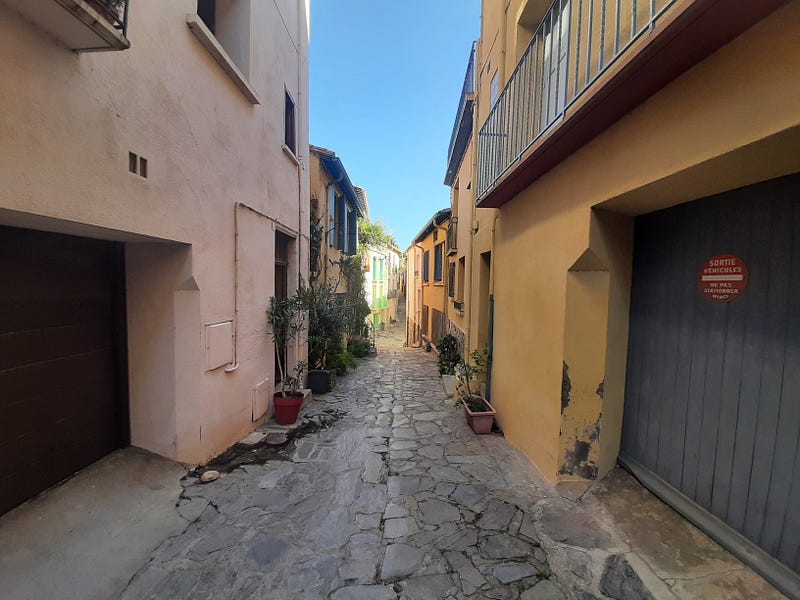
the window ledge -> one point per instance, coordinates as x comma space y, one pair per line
217, 52
290, 154
438, 283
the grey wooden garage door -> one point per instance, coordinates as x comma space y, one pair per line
712, 402
62, 398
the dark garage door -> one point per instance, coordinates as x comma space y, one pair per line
61, 406
712, 402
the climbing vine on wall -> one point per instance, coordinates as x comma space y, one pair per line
316, 233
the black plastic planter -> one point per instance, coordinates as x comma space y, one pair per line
319, 381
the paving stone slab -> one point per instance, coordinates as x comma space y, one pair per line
497, 515
364, 592
543, 590
509, 572
505, 546
401, 560
436, 512
427, 587
402, 485
397, 528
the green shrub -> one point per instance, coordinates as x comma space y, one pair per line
358, 347
337, 363
449, 354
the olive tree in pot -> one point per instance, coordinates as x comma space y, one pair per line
287, 318
480, 414
326, 327
449, 358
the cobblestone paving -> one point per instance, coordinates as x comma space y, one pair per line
397, 499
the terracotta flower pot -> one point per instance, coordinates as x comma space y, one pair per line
286, 409
480, 422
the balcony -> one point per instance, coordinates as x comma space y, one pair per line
462, 128
589, 62
452, 231
81, 25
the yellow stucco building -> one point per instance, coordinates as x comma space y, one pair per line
634, 173
335, 209
426, 289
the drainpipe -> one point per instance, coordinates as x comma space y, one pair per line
490, 344
235, 364
417, 335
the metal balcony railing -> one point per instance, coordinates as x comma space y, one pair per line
462, 127
114, 11
575, 43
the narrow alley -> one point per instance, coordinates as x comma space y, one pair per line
397, 498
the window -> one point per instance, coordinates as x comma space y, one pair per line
438, 253
229, 21
331, 216
426, 261
207, 11
554, 67
451, 279
289, 123
494, 90
460, 278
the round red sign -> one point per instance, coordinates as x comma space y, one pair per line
723, 278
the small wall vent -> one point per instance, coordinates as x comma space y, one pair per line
137, 164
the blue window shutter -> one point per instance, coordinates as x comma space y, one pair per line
331, 216
352, 232
340, 217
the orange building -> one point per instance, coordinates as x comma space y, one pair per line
627, 147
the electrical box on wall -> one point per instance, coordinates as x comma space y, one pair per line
261, 395
219, 344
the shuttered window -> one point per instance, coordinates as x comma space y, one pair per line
352, 232
426, 261
437, 262
331, 216
340, 223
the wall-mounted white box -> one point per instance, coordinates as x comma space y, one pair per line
261, 395
219, 344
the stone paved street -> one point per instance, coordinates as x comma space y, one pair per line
396, 499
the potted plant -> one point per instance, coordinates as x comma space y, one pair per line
326, 326
479, 413
286, 316
449, 358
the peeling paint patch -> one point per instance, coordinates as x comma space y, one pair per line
576, 461
566, 387
601, 389
594, 434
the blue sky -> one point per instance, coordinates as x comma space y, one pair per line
385, 82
